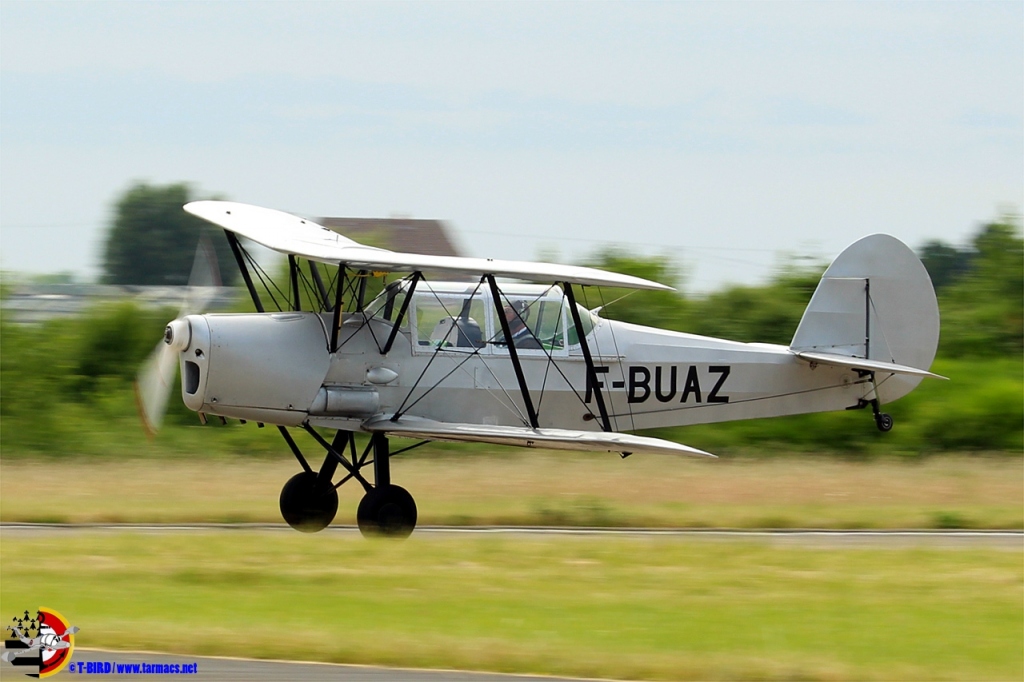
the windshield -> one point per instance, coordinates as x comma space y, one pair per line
387, 303
587, 319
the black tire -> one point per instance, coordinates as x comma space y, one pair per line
305, 506
388, 512
883, 422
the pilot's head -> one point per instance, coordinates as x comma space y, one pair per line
517, 313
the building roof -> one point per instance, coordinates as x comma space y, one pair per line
407, 235
28, 303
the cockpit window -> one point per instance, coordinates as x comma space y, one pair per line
450, 322
465, 320
537, 325
587, 319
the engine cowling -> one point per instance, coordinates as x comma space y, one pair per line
260, 366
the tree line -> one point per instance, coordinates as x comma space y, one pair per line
65, 385
980, 286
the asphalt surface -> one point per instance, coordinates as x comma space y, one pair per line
212, 669
999, 539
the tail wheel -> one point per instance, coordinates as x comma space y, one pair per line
388, 512
307, 505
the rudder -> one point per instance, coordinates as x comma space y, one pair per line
875, 301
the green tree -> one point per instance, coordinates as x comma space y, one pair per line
153, 240
768, 313
945, 264
763, 314
983, 312
666, 309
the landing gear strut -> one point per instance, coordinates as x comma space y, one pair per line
309, 500
882, 420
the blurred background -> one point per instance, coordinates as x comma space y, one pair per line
71, 349
730, 150
728, 137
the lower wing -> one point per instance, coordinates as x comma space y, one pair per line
524, 436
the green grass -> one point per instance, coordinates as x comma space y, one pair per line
527, 487
609, 607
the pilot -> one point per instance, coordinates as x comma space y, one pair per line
516, 315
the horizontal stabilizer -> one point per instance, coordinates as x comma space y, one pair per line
868, 365
523, 436
287, 233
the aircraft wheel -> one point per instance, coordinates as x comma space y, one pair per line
883, 422
306, 506
388, 512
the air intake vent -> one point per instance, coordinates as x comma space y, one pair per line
191, 377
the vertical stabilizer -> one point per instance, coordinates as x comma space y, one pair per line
875, 301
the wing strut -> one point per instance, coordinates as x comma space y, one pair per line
606, 423
363, 276
416, 277
337, 318
293, 275
237, 250
512, 354
314, 270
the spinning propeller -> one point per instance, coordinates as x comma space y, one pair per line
156, 377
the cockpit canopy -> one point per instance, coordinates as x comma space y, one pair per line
461, 317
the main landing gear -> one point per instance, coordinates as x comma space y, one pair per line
309, 500
307, 504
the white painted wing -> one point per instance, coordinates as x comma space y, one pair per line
523, 436
860, 363
287, 233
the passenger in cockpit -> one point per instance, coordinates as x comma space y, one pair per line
517, 314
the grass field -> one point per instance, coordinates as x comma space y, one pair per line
538, 488
662, 608
635, 608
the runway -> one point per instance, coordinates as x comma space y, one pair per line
825, 538
224, 669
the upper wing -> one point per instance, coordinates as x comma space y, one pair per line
290, 234
524, 436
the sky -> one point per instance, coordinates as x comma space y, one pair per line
730, 137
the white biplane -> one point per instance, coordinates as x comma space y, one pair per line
484, 360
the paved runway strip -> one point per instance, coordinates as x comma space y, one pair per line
216, 669
996, 539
